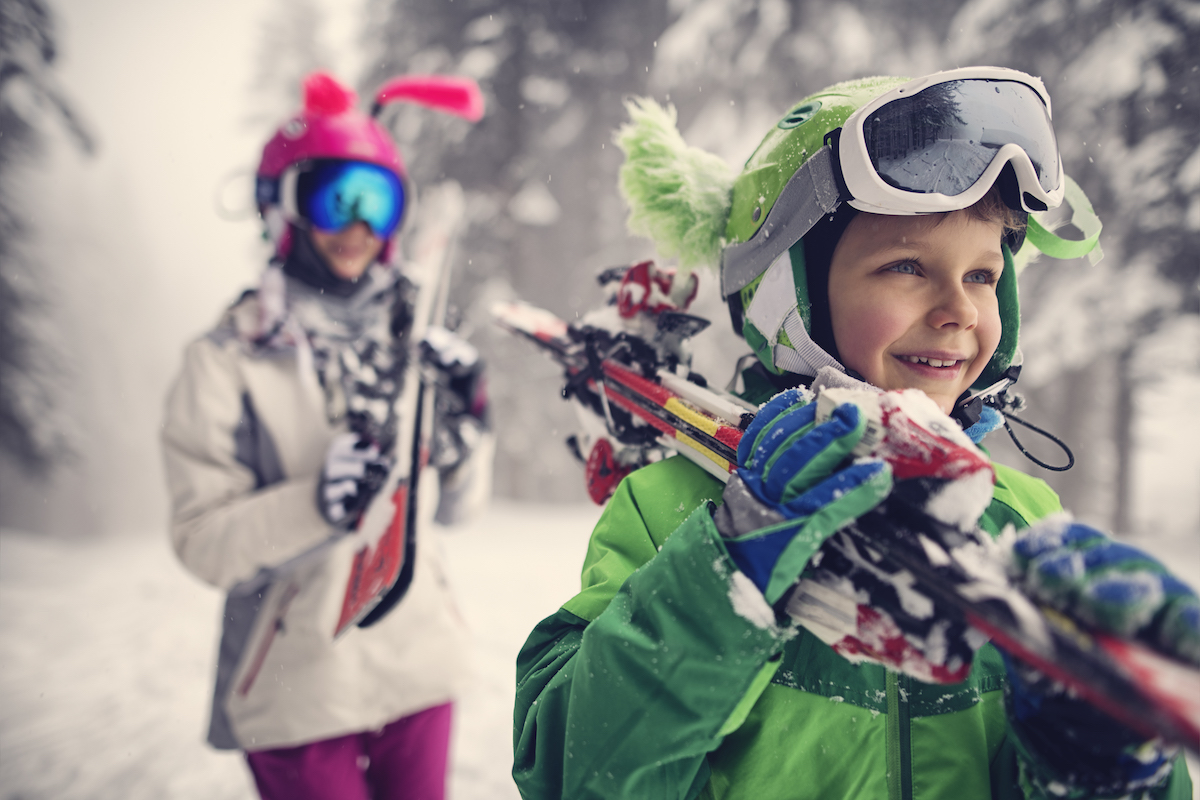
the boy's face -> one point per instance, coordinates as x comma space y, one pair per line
913, 302
349, 251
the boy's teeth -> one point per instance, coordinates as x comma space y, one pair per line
933, 362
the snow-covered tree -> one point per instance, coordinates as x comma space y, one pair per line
540, 169
290, 48
29, 96
540, 174
1125, 80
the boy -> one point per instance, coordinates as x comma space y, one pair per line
872, 234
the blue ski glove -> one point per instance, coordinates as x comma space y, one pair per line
1109, 585
1117, 589
353, 473
795, 489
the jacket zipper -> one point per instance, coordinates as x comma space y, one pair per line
899, 757
276, 625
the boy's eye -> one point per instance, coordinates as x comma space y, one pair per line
903, 267
984, 277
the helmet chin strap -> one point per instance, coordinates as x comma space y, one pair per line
971, 406
774, 314
967, 410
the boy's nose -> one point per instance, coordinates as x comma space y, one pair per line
953, 306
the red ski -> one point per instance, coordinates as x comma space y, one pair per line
382, 568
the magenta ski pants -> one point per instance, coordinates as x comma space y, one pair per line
405, 761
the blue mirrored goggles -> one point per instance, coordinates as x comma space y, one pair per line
332, 195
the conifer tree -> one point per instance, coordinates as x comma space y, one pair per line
29, 95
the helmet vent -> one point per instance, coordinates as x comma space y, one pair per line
800, 115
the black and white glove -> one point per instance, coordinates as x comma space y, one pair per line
353, 473
462, 402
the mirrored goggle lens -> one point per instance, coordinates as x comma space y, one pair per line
335, 195
942, 138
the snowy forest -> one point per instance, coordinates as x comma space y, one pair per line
1111, 350
129, 131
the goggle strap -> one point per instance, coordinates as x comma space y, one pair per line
811, 193
1083, 217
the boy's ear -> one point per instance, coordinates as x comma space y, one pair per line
678, 196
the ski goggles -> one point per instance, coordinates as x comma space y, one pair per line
932, 145
939, 143
334, 194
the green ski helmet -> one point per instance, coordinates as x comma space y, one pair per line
887, 145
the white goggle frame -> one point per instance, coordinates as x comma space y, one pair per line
871, 193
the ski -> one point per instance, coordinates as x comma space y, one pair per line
381, 570
631, 374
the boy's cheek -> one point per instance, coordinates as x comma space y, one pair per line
862, 345
987, 336
990, 338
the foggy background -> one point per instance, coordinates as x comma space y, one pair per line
129, 130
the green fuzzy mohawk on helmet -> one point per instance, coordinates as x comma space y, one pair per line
678, 195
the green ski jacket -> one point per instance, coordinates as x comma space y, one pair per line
668, 677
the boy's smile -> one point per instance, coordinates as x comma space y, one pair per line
913, 301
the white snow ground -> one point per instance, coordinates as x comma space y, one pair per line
106, 652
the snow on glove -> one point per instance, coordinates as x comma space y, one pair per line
1070, 749
353, 473
869, 610
462, 369
1117, 589
795, 489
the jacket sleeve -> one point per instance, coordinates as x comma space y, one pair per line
225, 527
629, 703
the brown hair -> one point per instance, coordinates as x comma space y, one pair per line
992, 208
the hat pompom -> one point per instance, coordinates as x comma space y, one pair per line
324, 95
678, 195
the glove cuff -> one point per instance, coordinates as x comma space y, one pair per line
1065, 742
741, 512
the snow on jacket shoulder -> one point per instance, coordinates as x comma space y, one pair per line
666, 677
244, 440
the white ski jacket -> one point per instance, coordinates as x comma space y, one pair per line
244, 441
